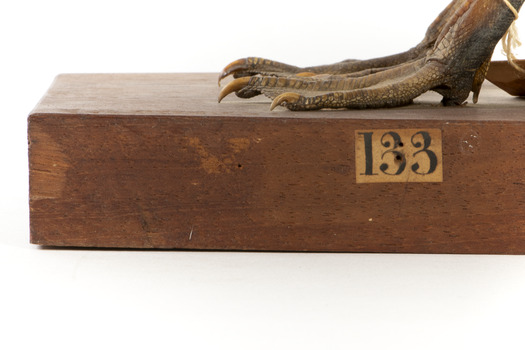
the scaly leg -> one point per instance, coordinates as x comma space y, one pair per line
256, 65
452, 60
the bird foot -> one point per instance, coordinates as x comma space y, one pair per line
452, 59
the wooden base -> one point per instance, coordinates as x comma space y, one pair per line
152, 161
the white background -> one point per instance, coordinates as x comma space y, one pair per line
89, 299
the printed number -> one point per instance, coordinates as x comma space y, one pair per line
430, 154
369, 156
392, 142
398, 156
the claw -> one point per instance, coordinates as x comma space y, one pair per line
231, 68
284, 99
233, 86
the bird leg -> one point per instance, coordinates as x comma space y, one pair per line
452, 59
255, 65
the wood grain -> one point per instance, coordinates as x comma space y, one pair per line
152, 161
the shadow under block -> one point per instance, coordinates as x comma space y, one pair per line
153, 161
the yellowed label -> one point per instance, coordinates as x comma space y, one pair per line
399, 155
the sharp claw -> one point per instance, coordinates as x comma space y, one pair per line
231, 68
283, 99
233, 86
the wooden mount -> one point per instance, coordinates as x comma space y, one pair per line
152, 161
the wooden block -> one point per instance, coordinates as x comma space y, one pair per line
152, 161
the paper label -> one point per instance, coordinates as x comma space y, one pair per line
398, 155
